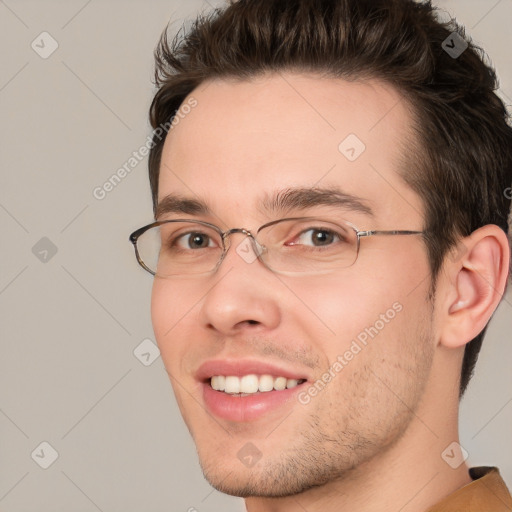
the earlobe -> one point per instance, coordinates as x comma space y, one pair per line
479, 277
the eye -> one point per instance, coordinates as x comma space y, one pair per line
318, 237
194, 240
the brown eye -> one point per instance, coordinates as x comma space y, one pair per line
194, 240
317, 237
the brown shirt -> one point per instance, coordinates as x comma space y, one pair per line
487, 493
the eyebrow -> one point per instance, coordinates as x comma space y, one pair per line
290, 199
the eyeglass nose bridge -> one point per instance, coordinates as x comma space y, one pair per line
258, 248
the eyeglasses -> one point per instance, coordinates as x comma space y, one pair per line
291, 246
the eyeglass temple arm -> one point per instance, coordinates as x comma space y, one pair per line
393, 232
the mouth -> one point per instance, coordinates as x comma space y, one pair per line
245, 391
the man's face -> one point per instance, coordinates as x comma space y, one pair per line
248, 140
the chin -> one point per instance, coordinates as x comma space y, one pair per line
252, 486
278, 479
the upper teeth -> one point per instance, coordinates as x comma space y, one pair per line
251, 383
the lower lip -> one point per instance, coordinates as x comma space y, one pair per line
247, 408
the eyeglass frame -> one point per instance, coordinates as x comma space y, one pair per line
133, 238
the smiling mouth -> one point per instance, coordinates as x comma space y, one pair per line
251, 384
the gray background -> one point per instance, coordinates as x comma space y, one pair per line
72, 320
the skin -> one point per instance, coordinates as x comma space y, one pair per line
372, 438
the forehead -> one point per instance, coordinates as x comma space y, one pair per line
246, 140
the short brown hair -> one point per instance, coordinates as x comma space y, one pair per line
462, 167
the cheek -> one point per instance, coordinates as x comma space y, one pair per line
335, 310
172, 303
175, 315
170, 308
161, 311
171, 311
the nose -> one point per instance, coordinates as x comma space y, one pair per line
244, 293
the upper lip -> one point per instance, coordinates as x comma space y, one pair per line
240, 367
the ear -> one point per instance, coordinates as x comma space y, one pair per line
477, 275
